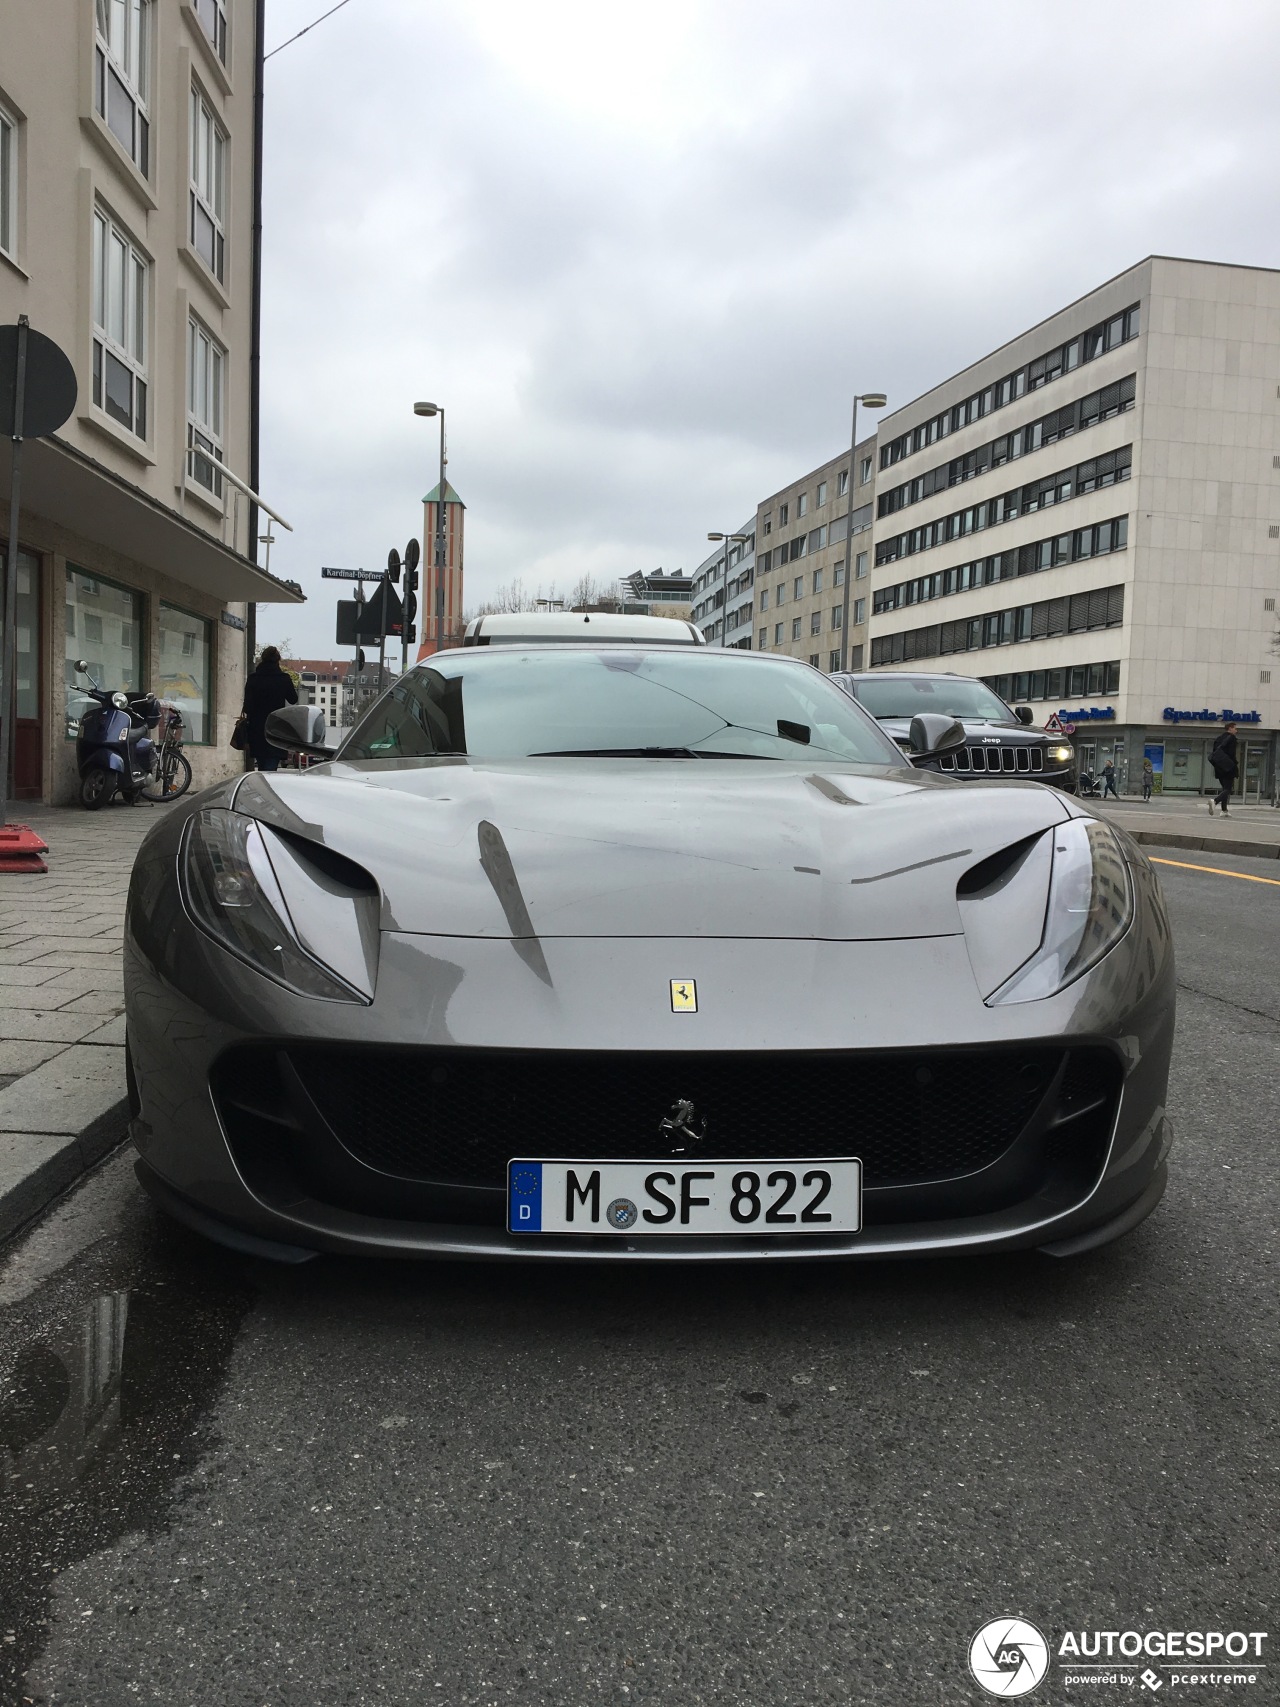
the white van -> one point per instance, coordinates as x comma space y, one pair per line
583, 628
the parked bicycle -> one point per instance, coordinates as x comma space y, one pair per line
172, 775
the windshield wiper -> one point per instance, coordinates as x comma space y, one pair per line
643, 753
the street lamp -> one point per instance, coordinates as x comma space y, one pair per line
872, 400
728, 538
438, 554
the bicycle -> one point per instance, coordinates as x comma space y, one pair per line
172, 775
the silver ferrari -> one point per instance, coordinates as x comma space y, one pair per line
623, 953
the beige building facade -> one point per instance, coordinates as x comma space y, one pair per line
802, 540
128, 159
1089, 519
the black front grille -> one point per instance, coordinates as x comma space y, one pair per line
455, 1118
1013, 758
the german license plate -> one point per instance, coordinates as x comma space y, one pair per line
638, 1198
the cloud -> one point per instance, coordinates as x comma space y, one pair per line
644, 255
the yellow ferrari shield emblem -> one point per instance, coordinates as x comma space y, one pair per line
684, 996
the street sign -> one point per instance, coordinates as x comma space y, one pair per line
1052, 724
1067, 728
412, 554
381, 615
393, 564
351, 574
49, 385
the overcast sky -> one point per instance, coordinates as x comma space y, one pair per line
644, 253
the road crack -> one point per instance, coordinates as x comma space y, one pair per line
1238, 1007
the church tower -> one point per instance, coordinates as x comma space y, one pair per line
440, 612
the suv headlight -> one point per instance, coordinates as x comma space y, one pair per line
271, 906
1090, 908
1061, 755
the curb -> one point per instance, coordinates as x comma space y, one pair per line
56, 1123
1205, 844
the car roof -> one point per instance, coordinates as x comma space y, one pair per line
579, 627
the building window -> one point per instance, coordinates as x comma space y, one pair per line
8, 184
817, 580
837, 616
797, 589
860, 566
205, 367
185, 679
764, 598
795, 628
864, 473
766, 522
121, 53
764, 638
837, 579
780, 594
855, 658
1075, 613
813, 659
859, 612
783, 513
777, 633
821, 498
208, 186
842, 482
1078, 546
833, 661
120, 327
213, 18
802, 504
815, 622
103, 625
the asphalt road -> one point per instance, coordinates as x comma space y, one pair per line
355, 1482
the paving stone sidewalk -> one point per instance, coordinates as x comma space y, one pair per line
62, 1081
1186, 822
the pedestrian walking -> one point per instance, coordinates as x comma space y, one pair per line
1148, 778
1109, 780
267, 689
1222, 761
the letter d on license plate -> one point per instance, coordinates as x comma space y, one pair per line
636, 1198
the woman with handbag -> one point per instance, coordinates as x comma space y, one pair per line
267, 689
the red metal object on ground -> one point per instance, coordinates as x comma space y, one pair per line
20, 849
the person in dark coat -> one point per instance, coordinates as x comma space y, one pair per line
267, 689
1222, 760
1109, 780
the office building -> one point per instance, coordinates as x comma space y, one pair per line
723, 591
1089, 519
127, 202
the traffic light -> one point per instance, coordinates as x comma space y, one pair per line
411, 637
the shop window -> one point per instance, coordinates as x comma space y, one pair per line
103, 625
184, 678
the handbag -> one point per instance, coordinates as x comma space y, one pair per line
240, 732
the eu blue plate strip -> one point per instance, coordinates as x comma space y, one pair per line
524, 1198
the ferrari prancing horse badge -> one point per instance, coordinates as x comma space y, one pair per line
684, 996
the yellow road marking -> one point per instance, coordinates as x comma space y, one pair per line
1217, 871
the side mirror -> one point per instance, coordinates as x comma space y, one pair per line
82, 666
297, 729
1024, 714
933, 732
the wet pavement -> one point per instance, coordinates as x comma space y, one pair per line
227, 1482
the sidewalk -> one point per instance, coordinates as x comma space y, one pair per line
1184, 821
62, 1081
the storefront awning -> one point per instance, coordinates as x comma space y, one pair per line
67, 487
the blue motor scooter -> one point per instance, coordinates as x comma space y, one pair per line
114, 749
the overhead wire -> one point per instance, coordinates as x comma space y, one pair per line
305, 28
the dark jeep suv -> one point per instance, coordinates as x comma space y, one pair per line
999, 740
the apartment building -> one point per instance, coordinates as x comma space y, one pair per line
802, 537
128, 189
723, 590
1091, 515
320, 682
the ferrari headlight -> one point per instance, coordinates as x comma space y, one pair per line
232, 891
1090, 908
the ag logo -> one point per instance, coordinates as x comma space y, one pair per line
1008, 1657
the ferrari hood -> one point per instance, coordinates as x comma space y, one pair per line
653, 848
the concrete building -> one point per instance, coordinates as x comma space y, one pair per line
1091, 515
801, 535
657, 594
723, 591
320, 682
128, 189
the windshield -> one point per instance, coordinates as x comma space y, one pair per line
504, 703
904, 696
